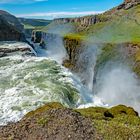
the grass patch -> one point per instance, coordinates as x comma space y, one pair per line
122, 125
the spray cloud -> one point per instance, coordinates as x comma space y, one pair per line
54, 41
119, 85
86, 64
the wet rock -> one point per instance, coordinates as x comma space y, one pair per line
11, 51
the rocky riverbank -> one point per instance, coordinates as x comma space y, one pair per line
54, 121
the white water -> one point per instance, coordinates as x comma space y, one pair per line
28, 82
119, 85
55, 49
88, 60
115, 82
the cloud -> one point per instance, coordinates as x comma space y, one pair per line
52, 15
19, 1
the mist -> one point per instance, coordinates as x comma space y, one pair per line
54, 41
119, 85
86, 63
61, 29
113, 84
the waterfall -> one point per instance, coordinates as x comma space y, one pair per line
28, 82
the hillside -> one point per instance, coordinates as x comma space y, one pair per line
116, 27
98, 89
10, 28
34, 23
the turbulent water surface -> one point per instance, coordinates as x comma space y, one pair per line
27, 82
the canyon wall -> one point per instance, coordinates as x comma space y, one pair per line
10, 28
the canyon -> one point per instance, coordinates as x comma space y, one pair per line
90, 65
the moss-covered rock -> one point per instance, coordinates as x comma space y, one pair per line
122, 110
117, 123
52, 123
93, 112
104, 113
73, 44
44, 108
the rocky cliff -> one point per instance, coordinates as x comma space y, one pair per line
33, 24
86, 21
115, 29
10, 28
83, 21
129, 4
12, 20
54, 121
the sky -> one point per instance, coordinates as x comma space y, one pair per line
50, 9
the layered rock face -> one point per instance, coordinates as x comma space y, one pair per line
74, 49
128, 4
81, 21
10, 28
93, 19
40, 37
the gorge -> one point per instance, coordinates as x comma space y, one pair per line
72, 74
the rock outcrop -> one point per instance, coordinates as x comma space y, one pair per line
33, 24
86, 21
51, 123
82, 22
73, 47
12, 48
41, 37
12, 20
10, 28
55, 122
129, 4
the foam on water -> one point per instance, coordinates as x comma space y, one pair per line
28, 82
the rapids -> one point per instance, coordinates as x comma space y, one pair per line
27, 82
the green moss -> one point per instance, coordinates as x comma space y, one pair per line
116, 130
121, 122
74, 36
93, 112
136, 69
124, 26
122, 110
44, 108
43, 121
108, 53
136, 58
